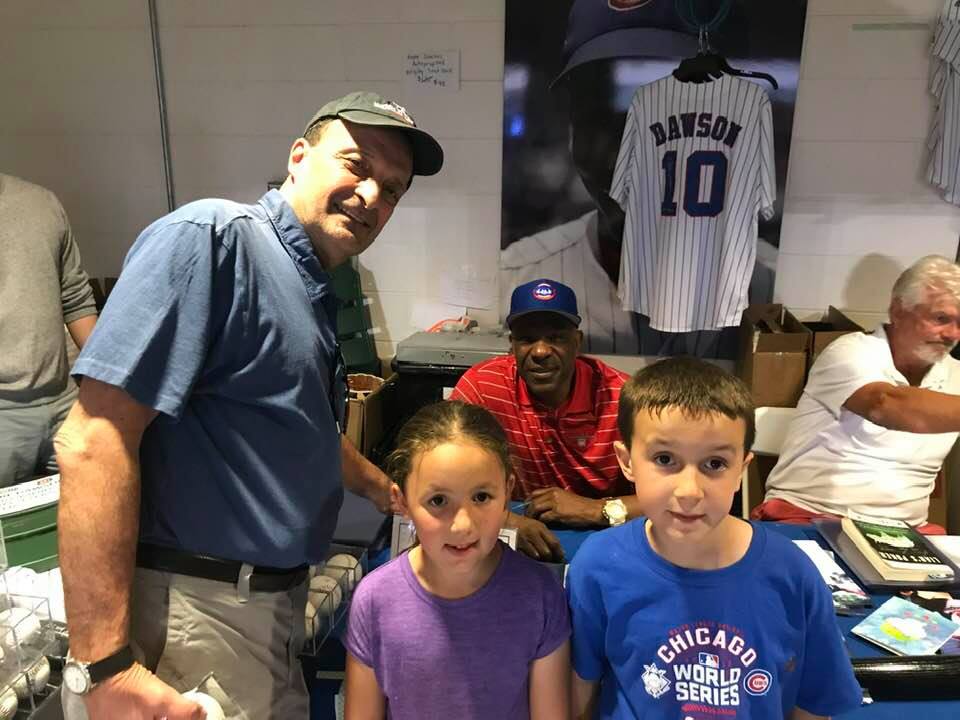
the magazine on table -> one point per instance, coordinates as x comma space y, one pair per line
904, 628
848, 597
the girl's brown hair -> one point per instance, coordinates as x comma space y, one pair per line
449, 421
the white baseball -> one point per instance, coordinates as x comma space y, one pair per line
313, 571
39, 674
310, 621
325, 594
208, 703
8, 704
344, 564
19, 626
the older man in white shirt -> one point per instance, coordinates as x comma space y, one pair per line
879, 412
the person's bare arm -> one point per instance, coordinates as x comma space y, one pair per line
364, 699
363, 478
562, 506
906, 408
800, 714
81, 328
98, 523
583, 697
550, 685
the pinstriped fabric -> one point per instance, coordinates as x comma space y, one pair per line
695, 167
950, 11
943, 141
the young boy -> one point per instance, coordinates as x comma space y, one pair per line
691, 613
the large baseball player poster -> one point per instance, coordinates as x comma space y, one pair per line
572, 70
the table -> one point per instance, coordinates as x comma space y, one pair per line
571, 540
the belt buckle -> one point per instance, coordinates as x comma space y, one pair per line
243, 583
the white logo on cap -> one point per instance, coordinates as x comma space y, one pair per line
544, 292
391, 106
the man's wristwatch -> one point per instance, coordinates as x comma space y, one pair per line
614, 512
80, 677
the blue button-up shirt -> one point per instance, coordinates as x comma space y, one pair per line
224, 321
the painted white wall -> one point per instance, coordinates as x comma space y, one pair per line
858, 210
80, 117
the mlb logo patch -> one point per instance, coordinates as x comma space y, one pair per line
712, 661
544, 292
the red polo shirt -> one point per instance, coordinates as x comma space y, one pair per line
569, 447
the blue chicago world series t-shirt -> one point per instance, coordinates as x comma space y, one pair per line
752, 640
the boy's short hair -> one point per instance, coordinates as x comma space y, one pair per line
695, 387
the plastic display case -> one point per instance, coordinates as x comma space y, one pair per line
31, 648
331, 588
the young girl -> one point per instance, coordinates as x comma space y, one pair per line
460, 626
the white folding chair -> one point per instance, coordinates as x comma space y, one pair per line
772, 424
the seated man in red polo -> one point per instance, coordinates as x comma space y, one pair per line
559, 411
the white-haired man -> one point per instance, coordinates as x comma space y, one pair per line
879, 413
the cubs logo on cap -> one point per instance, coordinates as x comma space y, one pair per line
543, 295
544, 292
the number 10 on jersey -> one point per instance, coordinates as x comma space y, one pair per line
692, 204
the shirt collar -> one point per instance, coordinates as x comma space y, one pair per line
934, 379
294, 238
580, 400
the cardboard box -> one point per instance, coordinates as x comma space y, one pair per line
772, 357
364, 425
833, 325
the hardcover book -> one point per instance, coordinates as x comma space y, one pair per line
895, 549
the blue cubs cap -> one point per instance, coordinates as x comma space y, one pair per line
543, 295
603, 29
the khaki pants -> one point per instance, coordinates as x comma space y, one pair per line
184, 628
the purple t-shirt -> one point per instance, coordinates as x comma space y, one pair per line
437, 659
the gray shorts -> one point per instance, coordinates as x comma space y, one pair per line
26, 436
184, 628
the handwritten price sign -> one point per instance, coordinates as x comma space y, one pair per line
433, 70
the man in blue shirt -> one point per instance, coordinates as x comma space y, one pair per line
202, 466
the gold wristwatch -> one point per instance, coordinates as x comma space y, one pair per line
614, 511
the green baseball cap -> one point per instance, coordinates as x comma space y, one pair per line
367, 108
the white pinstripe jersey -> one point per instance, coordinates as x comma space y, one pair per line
950, 11
696, 165
943, 167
